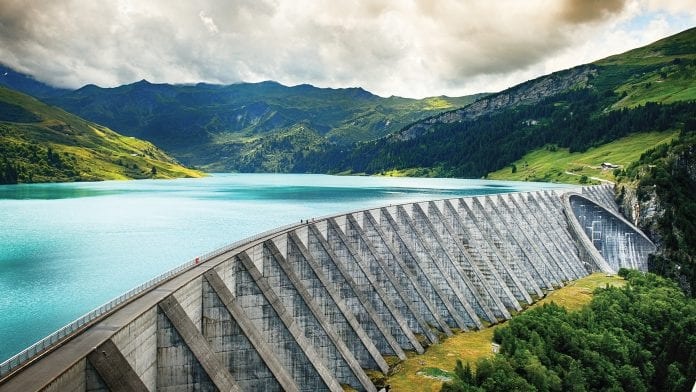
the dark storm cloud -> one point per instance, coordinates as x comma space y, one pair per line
583, 11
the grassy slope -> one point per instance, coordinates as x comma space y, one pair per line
93, 151
660, 72
439, 359
664, 71
544, 164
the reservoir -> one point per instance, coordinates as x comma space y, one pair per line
68, 248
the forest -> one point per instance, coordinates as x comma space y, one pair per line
640, 337
24, 162
471, 149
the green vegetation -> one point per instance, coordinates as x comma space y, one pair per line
660, 72
39, 143
639, 337
665, 177
415, 373
553, 164
489, 143
224, 127
650, 89
273, 153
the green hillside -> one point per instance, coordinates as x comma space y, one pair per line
657, 192
40, 143
218, 127
660, 72
553, 164
650, 89
427, 372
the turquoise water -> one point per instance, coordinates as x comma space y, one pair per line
68, 248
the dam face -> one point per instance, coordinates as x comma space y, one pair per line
313, 306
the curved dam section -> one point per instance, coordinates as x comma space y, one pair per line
609, 240
312, 306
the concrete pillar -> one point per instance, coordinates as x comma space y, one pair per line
138, 344
177, 366
309, 318
357, 267
559, 227
321, 250
465, 261
237, 342
548, 245
387, 280
503, 258
115, 372
533, 245
411, 278
282, 334
410, 248
507, 243
432, 286
423, 225
334, 306
189, 296
185, 358
490, 262
528, 254
93, 381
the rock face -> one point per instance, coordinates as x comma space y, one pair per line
658, 203
644, 207
526, 93
642, 213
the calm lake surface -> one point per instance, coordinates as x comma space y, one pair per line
68, 248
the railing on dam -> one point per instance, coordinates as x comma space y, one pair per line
309, 306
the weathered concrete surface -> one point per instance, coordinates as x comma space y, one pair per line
240, 345
114, 371
607, 240
178, 364
309, 307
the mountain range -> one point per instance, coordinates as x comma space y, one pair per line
225, 127
269, 127
647, 89
41, 143
633, 112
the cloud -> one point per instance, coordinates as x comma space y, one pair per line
584, 11
208, 22
409, 48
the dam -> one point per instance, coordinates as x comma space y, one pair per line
320, 304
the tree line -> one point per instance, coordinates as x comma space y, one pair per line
641, 337
474, 148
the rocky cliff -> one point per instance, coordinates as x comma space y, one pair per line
526, 93
657, 194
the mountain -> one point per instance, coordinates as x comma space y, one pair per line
647, 89
40, 143
24, 83
223, 127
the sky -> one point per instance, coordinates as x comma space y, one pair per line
409, 48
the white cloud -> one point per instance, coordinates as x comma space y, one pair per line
408, 48
208, 22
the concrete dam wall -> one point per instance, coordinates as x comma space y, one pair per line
313, 306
